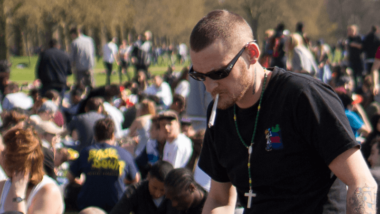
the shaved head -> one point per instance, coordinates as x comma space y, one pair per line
220, 25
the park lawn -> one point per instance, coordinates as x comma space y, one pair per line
23, 71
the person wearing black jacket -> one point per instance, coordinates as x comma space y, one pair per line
370, 44
52, 68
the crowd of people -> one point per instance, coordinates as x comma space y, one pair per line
134, 147
92, 149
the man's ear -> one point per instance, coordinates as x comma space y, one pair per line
254, 52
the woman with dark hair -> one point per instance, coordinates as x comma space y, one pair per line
186, 195
27, 190
366, 146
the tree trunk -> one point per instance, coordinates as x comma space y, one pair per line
67, 37
3, 38
18, 41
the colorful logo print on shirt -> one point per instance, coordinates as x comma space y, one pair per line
273, 136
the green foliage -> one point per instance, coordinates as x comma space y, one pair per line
31, 23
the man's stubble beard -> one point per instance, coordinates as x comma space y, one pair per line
227, 99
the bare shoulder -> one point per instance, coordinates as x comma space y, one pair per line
49, 192
47, 200
51, 189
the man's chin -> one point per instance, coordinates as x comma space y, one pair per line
223, 105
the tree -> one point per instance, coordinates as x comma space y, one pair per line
3, 38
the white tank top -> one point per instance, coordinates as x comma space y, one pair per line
45, 180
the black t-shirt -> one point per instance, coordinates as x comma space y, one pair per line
354, 52
308, 129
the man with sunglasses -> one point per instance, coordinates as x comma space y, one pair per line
279, 139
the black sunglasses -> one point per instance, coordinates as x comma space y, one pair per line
218, 74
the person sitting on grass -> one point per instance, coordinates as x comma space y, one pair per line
107, 168
147, 196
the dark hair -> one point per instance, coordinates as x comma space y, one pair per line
374, 120
374, 29
104, 129
111, 91
5, 66
94, 103
345, 98
180, 100
280, 27
74, 30
180, 179
12, 86
217, 24
51, 94
299, 27
156, 122
53, 43
34, 92
160, 170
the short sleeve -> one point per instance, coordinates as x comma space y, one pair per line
130, 168
355, 121
76, 167
209, 161
322, 121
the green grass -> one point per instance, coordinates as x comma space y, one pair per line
27, 73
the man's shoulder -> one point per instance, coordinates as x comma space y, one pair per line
291, 82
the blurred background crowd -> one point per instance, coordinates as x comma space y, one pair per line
132, 144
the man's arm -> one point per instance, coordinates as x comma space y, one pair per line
136, 180
375, 75
356, 45
351, 168
366, 128
221, 199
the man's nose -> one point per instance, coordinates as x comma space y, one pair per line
210, 84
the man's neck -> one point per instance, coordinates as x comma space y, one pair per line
252, 95
109, 142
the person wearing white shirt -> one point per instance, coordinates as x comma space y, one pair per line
16, 99
162, 90
178, 148
110, 52
183, 88
117, 117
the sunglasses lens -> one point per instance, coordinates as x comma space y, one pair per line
218, 75
196, 76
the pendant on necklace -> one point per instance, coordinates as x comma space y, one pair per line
268, 134
249, 194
